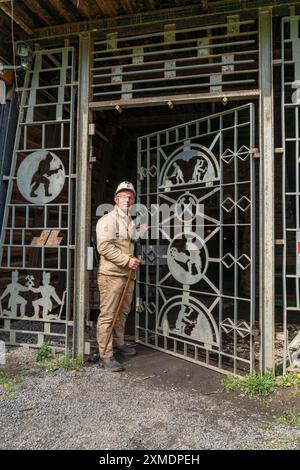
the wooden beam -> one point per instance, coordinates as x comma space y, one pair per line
127, 5
57, 10
175, 99
108, 8
145, 19
128, 22
37, 9
83, 7
151, 4
7, 10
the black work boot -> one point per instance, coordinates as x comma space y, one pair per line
125, 350
110, 363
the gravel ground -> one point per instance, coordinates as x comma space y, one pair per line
93, 409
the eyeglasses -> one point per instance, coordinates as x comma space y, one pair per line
130, 198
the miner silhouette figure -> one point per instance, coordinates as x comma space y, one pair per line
42, 176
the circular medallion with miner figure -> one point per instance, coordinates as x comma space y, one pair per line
41, 177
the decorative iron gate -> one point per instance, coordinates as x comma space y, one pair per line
196, 291
36, 239
291, 188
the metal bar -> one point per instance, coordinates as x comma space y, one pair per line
176, 69
167, 79
62, 83
180, 59
174, 51
212, 294
20, 268
35, 123
32, 92
178, 31
177, 87
221, 248
45, 105
169, 43
82, 171
267, 239
45, 87
44, 148
176, 99
236, 245
297, 185
157, 234
253, 232
147, 240
138, 201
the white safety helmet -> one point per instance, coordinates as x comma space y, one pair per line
125, 186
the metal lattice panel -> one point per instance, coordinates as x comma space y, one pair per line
36, 239
184, 59
195, 295
291, 185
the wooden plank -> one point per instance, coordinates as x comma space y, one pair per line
57, 10
151, 4
36, 8
21, 10
127, 6
84, 8
7, 10
107, 8
176, 99
109, 24
144, 19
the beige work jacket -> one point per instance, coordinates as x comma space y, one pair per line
115, 231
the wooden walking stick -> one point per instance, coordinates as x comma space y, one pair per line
129, 277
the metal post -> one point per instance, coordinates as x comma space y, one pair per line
266, 196
82, 199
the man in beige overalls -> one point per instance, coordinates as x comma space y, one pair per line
115, 232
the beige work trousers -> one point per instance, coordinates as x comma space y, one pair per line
111, 288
